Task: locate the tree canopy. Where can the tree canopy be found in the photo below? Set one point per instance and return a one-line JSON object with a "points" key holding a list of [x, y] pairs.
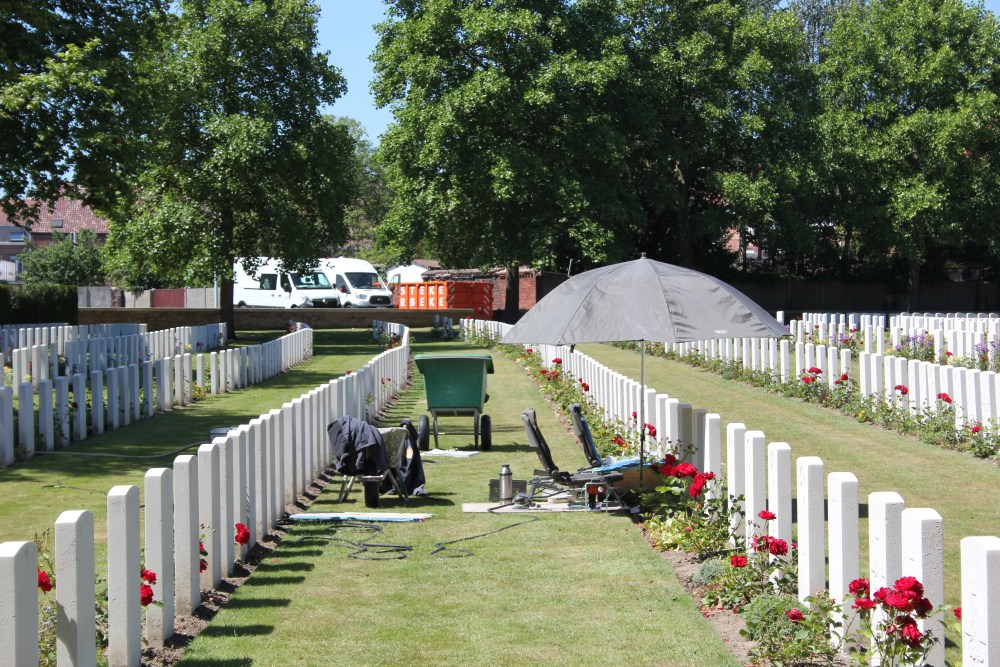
{"points": [[65, 261], [240, 162], [67, 95]]}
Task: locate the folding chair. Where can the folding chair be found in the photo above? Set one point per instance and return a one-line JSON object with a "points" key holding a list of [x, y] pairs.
{"points": [[582, 430], [554, 480]]}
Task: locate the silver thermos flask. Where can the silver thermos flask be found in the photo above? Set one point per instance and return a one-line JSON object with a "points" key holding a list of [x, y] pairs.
{"points": [[506, 484]]}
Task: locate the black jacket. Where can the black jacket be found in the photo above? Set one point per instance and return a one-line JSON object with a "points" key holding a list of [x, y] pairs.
{"points": [[357, 447]]}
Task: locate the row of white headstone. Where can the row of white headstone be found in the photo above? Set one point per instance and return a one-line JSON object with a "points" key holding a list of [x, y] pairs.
{"points": [[902, 541], [249, 476], [123, 395], [74, 350]]}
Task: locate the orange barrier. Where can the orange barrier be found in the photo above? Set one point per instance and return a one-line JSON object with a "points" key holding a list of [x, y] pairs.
{"points": [[440, 295]]}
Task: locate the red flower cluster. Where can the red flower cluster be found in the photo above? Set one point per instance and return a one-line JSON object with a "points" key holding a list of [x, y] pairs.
{"points": [[843, 378], [815, 371], [902, 389], [975, 428], [738, 561], [808, 378], [651, 430], [583, 385], [906, 597], [242, 534], [620, 441], [773, 545], [944, 397], [794, 615], [670, 468], [44, 582], [148, 576], [557, 360], [145, 595]]}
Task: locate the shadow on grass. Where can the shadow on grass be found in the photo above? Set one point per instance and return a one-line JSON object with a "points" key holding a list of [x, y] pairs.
{"points": [[252, 630], [262, 603], [292, 567], [215, 662], [260, 579]]}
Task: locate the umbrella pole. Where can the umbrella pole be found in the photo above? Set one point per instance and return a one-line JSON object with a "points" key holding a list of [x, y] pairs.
{"points": [[642, 410]]}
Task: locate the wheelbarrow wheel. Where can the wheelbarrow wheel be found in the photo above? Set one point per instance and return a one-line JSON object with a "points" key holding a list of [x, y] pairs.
{"points": [[485, 433], [371, 494], [424, 433]]}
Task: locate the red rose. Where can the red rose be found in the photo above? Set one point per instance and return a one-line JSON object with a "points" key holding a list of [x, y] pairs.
{"points": [[948, 354], [911, 635], [529, 351], [148, 576], [696, 486], [958, 613], [767, 515], [202, 565], [975, 428], [557, 360], [898, 600], [863, 604], [859, 587], [881, 594], [910, 584], [902, 389], [685, 470], [652, 430], [201, 549], [145, 595], [778, 547], [807, 379], [843, 378], [944, 397], [242, 534], [922, 607], [44, 582], [738, 561], [669, 460], [794, 615], [586, 387], [815, 371]]}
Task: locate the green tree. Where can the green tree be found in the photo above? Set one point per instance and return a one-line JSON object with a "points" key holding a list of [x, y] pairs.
{"points": [[543, 131], [715, 112], [65, 261], [909, 89], [67, 95], [240, 162], [480, 158]]}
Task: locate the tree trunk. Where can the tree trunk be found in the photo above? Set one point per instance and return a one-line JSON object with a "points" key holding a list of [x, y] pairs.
{"points": [[912, 285], [512, 297], [226, 312], [684, 252]]}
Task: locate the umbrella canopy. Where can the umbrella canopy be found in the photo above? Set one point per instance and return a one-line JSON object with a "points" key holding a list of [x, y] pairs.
{"points": [[643, 300]]}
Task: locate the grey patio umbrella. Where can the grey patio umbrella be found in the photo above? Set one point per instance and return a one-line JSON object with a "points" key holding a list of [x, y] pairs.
{"points": [[642, 300]]}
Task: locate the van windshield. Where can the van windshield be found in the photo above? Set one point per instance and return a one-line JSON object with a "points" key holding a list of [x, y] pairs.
{"points": [[310, 281], [364, 280]]}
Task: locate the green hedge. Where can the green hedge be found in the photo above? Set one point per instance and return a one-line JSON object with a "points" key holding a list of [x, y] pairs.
{"points": [[38, 304]]}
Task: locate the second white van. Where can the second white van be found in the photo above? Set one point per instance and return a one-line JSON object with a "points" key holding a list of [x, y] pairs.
{"points": [[358, 282]]}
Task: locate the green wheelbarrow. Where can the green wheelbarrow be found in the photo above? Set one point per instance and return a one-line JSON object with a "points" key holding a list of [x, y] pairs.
{"points": [[456, 386]]}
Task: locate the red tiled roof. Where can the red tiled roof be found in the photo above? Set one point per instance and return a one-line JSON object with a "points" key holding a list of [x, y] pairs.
{"points": [[74, 214]]}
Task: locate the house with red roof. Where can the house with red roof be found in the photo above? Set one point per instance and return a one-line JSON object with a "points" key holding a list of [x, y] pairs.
{"points": [[68, 217]]}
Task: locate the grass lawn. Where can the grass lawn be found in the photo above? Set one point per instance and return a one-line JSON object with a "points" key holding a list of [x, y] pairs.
{"points": [[580, 589]]}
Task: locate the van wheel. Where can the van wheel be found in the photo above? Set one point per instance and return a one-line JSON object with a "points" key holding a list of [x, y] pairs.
{"points": [[241, 304], [347, 305], [294, 306]]}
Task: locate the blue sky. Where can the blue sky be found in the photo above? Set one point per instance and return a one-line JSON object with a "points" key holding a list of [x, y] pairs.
{"points": [[346, 31]]}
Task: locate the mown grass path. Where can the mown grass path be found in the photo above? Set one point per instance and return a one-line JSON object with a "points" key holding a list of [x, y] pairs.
{"points": [[582, 589]]}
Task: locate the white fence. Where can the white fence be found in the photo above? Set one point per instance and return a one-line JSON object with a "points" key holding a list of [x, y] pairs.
{"points": [[903, 541], [247, 476]]}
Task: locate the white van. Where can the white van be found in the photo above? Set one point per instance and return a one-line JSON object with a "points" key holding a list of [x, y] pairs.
{"points": [[358, 282], [274, 288]]}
